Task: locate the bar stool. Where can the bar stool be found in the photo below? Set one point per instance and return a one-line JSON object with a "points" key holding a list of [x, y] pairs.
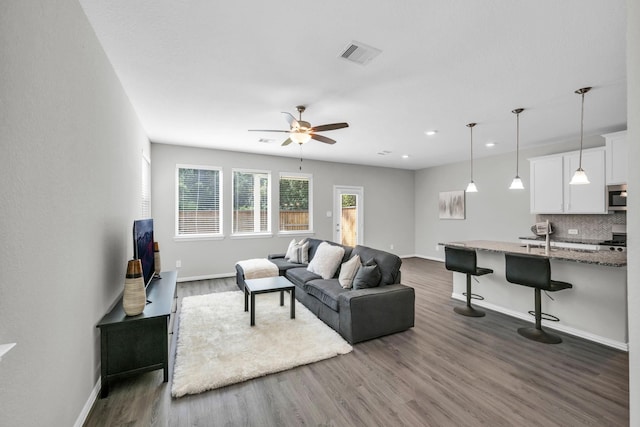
{"points": [[463, 260], [535, 272]]}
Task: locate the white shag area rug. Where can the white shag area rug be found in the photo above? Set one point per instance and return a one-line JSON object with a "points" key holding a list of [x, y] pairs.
{"points": [[217, 347]]}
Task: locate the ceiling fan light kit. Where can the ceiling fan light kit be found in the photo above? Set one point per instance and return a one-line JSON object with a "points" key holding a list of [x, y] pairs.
{"points": [[302, 132]]}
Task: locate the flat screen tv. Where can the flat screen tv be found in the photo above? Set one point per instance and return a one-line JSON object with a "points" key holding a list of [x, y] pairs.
{"points": [[143, 247]]}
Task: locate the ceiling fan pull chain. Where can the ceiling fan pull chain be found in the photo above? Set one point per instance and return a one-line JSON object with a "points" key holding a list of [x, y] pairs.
{"points": [[300, 157]]}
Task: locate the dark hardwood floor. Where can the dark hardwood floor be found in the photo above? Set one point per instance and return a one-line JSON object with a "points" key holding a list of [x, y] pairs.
{"points": [[448, 370]]}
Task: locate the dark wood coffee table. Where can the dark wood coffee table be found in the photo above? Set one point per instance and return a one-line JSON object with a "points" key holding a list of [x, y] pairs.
{"points": [[265, 285]]}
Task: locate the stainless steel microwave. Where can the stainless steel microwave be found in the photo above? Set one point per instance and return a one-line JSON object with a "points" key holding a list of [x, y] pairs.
{"points": [[617, 197]]}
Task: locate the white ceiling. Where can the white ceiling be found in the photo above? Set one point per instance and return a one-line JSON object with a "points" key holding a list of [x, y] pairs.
{"points": [[203, 72]]}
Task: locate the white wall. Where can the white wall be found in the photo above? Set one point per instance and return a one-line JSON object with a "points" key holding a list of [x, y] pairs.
{"points": [[494, 212], [388, 207], [633, 221], [71, 176]]}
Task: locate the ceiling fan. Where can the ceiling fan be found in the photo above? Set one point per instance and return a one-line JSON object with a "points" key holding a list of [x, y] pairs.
{"points": [[302, 131]]}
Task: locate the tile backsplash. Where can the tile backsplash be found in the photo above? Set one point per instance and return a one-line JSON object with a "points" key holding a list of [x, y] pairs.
{"points": [[590, 227]]}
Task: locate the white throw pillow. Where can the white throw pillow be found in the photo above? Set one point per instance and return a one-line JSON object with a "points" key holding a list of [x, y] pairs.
{"points": [[287, 255], [348, 272], [326, 260], [300, 253]]}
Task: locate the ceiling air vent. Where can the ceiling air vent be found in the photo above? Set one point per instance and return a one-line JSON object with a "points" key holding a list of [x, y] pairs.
{"points": [[359, 53]]}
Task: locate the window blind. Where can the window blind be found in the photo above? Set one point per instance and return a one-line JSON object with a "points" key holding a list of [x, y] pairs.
{"points": [[251, 202], [145, 197], [199, 203]]}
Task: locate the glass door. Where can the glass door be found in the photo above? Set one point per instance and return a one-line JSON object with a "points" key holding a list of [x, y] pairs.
{"points": [[347, 213]]}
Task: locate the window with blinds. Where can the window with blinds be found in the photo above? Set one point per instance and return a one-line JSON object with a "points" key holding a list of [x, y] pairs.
{"points": [[251, 202], [145, 207], [295, 203], [199, 205]]}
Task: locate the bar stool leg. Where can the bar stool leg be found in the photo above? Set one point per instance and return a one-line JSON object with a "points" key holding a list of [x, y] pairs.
{"points": [[468, 310], [537, 334]]}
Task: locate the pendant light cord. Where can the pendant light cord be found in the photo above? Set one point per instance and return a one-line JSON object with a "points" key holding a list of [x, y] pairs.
{"points": [[517, 143], [581, 130], [471, 145], [471, 125]]}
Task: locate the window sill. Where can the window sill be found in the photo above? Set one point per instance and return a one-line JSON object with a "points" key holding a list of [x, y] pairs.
{"points": [[252, 236], [195, 237], [296, 233]]}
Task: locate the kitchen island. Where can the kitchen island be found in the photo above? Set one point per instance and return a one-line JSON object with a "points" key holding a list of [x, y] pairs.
{"points": [[595, 309]]}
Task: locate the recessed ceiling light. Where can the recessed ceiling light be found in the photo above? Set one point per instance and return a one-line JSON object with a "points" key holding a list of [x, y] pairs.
{"points": [[430, 132], [405, 156], [490, 144]]}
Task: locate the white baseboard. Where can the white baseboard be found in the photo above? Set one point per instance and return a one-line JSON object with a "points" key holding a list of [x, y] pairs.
{"points": [[206, 277], [428, 257], [89, 404], [551, 325]]}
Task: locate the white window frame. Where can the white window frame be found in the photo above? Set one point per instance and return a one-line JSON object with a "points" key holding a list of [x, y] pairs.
{"points": [[309, 177], [245, 234], [201, 236]]}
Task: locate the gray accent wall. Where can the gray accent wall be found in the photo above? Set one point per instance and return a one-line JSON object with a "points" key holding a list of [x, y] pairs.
{"points": [[70, 167], [388, 207], [494, 212]]}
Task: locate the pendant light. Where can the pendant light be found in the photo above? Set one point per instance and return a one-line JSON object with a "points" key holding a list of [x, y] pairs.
{"points": [[516, 184], [471, 188], [580, 177]]}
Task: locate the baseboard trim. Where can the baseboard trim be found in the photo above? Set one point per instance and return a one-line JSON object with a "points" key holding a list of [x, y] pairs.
{"points": [[86, 409], [619, 345], [429, 258], [205, 277]]}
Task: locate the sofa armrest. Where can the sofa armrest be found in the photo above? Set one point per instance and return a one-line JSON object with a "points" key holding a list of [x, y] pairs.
{"points": [[374, 312], [275, 256]]}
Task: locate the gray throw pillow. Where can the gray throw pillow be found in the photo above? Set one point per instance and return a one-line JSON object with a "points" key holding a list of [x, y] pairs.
{"points": [[368, 276]]}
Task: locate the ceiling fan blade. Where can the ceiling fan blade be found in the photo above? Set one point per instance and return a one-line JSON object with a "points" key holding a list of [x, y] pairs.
{"points": [[290, 119], [331, 126], [287, 142], [322, 138], [268, 130]]}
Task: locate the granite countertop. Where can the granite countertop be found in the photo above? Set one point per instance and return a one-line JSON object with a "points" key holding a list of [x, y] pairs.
{"points": [[611, 259], [564, 239]]}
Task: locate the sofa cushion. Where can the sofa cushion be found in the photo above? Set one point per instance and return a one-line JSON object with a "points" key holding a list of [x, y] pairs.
{"points": [[388, 263], [300, 275], [326, 291], [326, 260], [348, 271], [284, 265], [368, 276]]}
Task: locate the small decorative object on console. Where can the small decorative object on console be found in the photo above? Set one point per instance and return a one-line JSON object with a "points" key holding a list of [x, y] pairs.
{"points": [[135, 296]]}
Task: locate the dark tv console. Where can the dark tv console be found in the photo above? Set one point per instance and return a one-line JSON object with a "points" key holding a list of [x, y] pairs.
{"points": [[134, 344]]}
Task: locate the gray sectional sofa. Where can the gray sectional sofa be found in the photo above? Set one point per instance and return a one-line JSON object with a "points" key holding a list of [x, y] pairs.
{"points": [[356, 314]]}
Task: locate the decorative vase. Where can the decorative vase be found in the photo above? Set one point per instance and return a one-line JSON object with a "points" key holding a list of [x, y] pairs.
{"points": [[135, 296], [156, 258]]}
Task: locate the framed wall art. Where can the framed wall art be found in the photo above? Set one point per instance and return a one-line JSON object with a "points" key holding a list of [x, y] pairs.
{"points": [[451, 204]]}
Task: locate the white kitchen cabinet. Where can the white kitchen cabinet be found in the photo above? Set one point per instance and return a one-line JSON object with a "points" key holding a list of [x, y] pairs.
{"points": [[547, 191], [616, 157], [589, 198], [550, 190]]}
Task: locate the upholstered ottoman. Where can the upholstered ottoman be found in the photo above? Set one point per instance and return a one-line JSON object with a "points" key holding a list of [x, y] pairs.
{"points": [[256, 268]]}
